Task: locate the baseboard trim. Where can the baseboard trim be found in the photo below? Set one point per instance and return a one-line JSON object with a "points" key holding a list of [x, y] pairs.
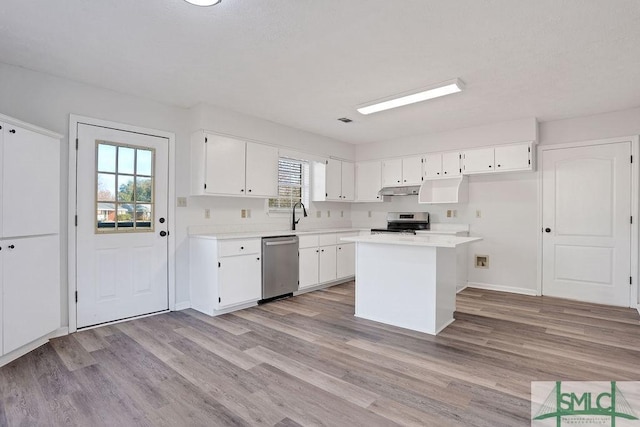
{"points": [[182, 305], [501, 288], [19, 352], [462, 288]]}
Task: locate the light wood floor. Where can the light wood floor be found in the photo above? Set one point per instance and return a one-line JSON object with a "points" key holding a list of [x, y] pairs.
{"points": [[308, 361]]}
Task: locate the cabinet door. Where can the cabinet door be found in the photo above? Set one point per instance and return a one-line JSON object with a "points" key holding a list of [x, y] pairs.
{"points": [[224, 165], [31, 280], [261, 170], [479, 160], [308, 267], [348, 181], [239, 280], [368, 181], [451, 164], [392, 173], [327, 269], [30, 183], [412, 170], [513, 157], [433, 165], [346, 260], [334, 180]]}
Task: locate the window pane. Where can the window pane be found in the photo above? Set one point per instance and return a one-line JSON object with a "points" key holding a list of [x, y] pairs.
{"points": [[106, 188], [125, 215], [125, 188], [144, 159], [106, 158], [106, 215], [143, 189], [126, 158], [144, 216]]}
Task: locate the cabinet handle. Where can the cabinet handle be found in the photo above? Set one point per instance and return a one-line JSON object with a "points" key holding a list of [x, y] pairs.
{"points": [[242, 191], [437, 173], [445, 173], [398, 180], [249, 190], [163, 233], [11, 247], [258, 258], [321, 250], [12, 131], [317, 251], [498, 165], [242, 248], [339, 248]]}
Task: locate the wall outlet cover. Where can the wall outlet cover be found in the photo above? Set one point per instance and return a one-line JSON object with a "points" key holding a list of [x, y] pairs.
{"points": [[328, 214], [207, 213], [182, 202], [243, 213], [318, 214]]}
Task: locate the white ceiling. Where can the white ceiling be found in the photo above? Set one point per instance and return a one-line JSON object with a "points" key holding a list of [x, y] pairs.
{"points": [[305, 63]]}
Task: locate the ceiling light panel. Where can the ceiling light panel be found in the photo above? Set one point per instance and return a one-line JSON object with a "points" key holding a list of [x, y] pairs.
{"points": [[203, 2], [435, 91]]}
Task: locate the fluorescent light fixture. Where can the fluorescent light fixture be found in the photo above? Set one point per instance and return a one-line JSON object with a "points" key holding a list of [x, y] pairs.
{"points": [[203, 2], [435, 91]]}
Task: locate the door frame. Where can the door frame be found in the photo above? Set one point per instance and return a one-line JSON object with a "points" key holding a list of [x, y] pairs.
{"points": [[74, 121], [635, 187]]}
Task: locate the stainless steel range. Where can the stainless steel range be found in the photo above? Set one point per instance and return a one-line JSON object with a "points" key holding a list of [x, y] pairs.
{"points": [[404, 223]]}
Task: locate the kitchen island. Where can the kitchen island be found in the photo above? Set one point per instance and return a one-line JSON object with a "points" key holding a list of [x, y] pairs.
{"points": [[407, 281]]}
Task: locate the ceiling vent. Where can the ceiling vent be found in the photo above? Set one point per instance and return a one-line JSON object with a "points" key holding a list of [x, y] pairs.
{"points": [[345, 120]]}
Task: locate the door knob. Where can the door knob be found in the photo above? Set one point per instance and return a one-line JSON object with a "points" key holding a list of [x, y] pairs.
{"points": [[163, 233], [547, 230]]}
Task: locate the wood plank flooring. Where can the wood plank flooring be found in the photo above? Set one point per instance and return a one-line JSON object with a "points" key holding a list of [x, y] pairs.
{"points": [[308, 361]]}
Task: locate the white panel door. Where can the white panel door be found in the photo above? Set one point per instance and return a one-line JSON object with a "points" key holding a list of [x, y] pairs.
{"points": [[31, 279], [122, 243], [239, 280], [308, 267], [451, 164], [433, 165], [586, 196], [261, 170], [368, 181], [333, 181], [225, 165], [348, 181], [346, 260], [513, 157], [478, 160], [327, 264], [30, 183], [391, 173], [412, 170]]}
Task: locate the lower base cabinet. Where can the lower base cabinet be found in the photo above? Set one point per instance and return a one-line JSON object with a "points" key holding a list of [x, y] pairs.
{"points": [[239, 280], [346, 260], [324, 259], [30, 289], [327, 267]]}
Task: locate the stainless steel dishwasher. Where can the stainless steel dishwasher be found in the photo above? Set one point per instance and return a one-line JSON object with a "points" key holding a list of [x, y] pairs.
{"points": [[279, 267]]}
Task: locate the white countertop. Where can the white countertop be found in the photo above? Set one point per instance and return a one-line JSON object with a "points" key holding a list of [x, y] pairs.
{"points": [[260, 234], [431, 240]]}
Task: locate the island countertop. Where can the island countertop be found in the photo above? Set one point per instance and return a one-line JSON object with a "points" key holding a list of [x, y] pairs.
{"points": [[438, 241]]}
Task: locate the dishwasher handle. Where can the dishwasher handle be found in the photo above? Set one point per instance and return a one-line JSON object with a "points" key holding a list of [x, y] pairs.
{"points": [[281, 242]]}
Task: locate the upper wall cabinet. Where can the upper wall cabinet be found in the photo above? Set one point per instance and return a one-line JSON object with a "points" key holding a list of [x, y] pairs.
{"points": [[333, 180], [368, 181], [227, 166], [439, 165], [401, 172], [501, 158]]}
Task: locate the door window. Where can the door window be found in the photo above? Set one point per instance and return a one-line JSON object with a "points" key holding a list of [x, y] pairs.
{"points": [[124, 188]]}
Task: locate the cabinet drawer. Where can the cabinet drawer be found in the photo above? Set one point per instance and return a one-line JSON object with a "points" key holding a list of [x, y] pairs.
{"points": [[308, 241], [238, 247], [327, 239]]}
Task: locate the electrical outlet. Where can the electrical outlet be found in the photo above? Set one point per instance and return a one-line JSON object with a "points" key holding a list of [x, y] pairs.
{"points": [[328, 214], [341, 214], [318, 214], [243, 213], [369, 214], [448, 213], [182, 202], [478, 214], [455, 213], [207, 213]]}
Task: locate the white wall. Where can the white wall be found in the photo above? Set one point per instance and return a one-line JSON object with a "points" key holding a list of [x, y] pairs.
{"points": [[47, 101]]}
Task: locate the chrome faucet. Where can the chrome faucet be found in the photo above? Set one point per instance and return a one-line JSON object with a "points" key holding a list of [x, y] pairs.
{"points": [[293, 215]]}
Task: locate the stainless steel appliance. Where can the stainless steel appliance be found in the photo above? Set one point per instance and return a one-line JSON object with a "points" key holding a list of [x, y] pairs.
{"points": [[279, 267], [404, 223]]}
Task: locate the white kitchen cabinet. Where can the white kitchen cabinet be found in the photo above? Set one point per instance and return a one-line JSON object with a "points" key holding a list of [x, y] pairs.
{"points": [[345, 260], [368, 181], [309, 263], [227, 166], [500, 158], [333, 180], [442, 165], [29, 233], [224, 273], [401, 172], [327, 264], [31, 295], [513, 157], [451, 164]]}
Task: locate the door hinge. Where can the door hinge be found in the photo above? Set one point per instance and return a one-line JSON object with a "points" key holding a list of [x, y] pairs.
{"points": [[76, 296], [219, 265], [631, 158], [421, 160], [422, 178], [631, 220], [460, 156], [76, 144], [205, 139], [460, 170], [630, 280], [76, 220], [326, 162], [205, 185], [529, 161], [529, 149], [219, 300]]}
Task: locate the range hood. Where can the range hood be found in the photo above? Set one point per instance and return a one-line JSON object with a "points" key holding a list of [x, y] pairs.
{"points": [[412, 190]]}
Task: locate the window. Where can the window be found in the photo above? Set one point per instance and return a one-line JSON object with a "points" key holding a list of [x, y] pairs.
{"points": [[124, 188], [293, 184]]}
